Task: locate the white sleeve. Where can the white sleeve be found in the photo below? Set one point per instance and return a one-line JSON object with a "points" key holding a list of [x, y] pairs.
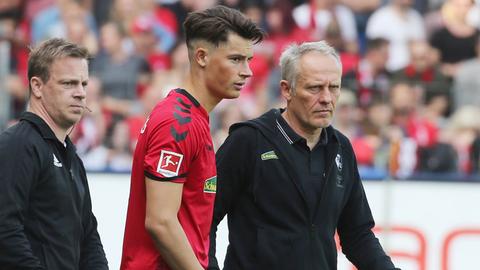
{"points": [[346, 19]]}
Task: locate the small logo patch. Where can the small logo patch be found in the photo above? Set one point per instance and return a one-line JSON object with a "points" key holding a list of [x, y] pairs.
{"points": [[56, 162], [269, 155], [210, 185], [169, 163], [338, 160]]}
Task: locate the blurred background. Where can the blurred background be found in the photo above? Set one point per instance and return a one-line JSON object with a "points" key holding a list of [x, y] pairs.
{"points": [[410, 99]]}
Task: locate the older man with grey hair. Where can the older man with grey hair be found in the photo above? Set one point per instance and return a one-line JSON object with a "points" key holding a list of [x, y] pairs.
{"points": [[288, 180]]}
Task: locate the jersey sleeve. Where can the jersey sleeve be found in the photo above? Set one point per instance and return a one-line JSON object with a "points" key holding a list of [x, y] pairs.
{"points": [[169, 151]]}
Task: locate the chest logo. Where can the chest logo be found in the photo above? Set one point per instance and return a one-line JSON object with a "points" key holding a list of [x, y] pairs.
{"points": [[338, 161], [56, 162], [210, 185], [169, 163], [269, 155]]}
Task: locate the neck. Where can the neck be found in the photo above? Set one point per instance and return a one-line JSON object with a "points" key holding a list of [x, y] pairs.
{"points": [[60, 133], [196, 87], [312, 135]]}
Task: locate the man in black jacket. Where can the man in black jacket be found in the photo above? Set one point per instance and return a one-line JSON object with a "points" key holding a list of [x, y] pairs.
{"points": [[46, 219], [288, 180]]}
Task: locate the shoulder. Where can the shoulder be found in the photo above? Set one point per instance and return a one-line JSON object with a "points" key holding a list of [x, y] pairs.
{"points": [[241, 138], [21, 133], [243, 131], [23, 141], [174, 119]]}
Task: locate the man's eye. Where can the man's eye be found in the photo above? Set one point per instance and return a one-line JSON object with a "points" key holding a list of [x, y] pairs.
{"points": [[334, 87]]}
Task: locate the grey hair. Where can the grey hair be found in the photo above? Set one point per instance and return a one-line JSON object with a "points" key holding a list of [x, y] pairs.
{"points": [[290, 57]]}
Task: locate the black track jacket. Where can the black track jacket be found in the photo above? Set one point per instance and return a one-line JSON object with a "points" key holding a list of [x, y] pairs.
{"points": [[46, 219], [270, 225]]}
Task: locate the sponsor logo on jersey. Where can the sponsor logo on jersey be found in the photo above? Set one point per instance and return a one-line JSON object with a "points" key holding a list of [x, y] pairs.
{"points": [[169, 163], [269, 155], [210, 185]]}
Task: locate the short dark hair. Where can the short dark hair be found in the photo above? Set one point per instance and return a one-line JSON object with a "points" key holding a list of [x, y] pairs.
{"points": [[214, 24], [41, 57]]}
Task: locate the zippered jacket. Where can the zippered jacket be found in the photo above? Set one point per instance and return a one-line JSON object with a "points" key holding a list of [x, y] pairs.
{"points": [[46, 219], [269, 220]]}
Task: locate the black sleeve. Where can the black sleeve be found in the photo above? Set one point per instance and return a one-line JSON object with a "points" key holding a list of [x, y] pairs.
{"points": [[20, 169], [235, 166], [359, 244], [92, 255]]}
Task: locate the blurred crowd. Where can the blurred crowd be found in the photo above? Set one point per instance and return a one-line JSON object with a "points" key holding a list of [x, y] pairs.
{"points": [[410, 99]]}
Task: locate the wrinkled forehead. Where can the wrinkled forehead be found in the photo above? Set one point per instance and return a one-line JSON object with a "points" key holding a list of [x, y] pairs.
{"points": [[320, 67]]}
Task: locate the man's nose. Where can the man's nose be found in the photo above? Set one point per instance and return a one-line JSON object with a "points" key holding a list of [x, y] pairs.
{"points": [[81, 91], [325, 96], [246, 72]]}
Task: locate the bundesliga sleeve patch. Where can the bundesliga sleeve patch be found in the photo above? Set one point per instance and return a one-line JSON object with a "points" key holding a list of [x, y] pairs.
{"points": [[169, 163]]}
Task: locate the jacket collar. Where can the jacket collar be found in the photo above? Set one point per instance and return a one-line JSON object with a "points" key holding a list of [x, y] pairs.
{"points": [[292, 137], [45, 131]]}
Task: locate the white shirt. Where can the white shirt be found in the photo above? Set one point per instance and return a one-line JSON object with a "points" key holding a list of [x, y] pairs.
{"points": [[387, 23], [344, 15]]}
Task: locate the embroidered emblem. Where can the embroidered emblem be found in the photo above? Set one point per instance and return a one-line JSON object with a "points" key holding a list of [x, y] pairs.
{"points": [[269, 155], [56, 162], [338, 161], [169, 163]]}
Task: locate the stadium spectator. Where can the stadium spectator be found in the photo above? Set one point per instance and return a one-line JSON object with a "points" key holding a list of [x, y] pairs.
{"points": [[371, 80], [463, 133], [424, 73], [457, 39], [120, 73], [347, 116], [14, 40], [175, 76], [324, 16], [466, 82], [52, 21], [90, 131], [113, 156], [399, 23], [362, 11]]}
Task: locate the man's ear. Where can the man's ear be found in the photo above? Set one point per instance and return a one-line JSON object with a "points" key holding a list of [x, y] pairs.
{"points": [[201, 56], [286, 90], [36, 84]]}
